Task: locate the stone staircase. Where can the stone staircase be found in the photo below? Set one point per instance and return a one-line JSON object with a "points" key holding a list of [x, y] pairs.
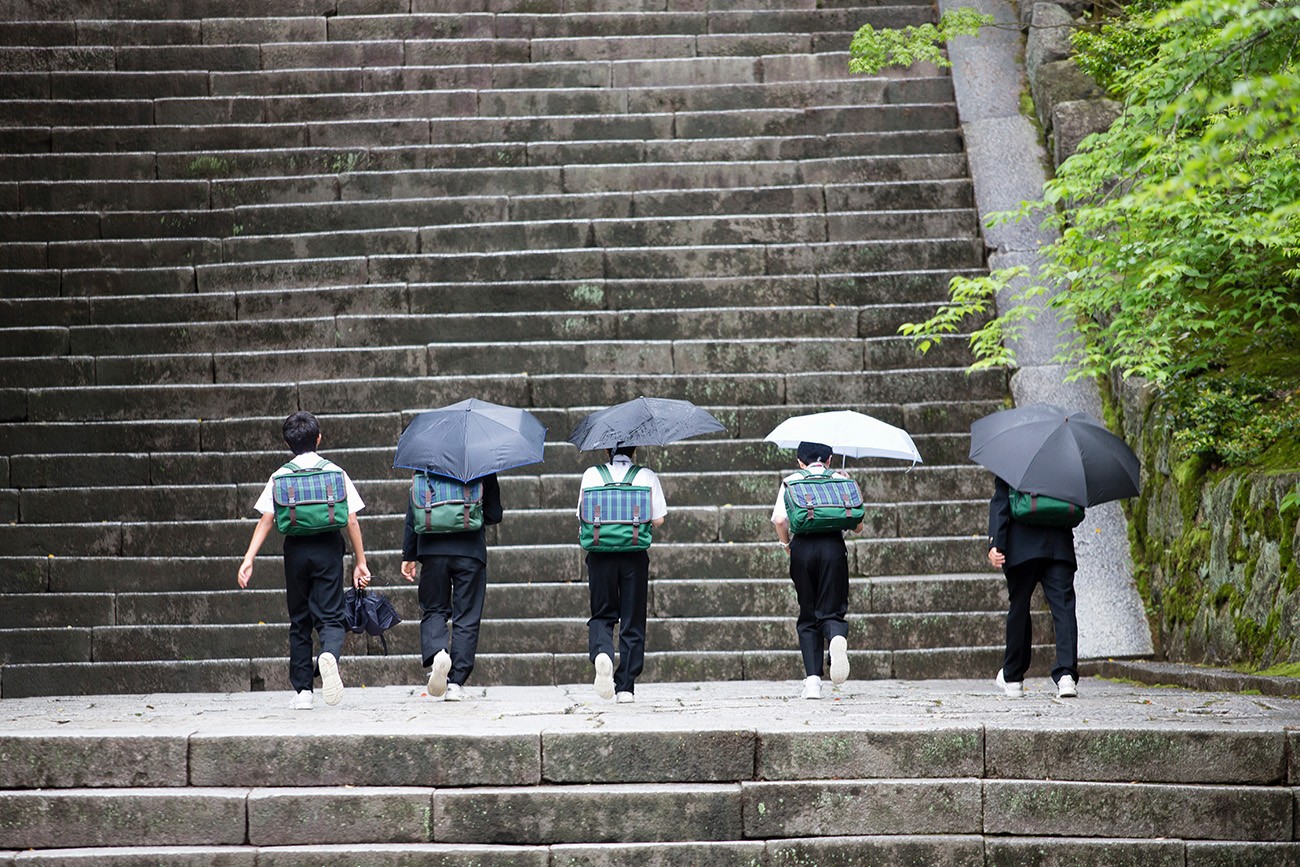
{"points": [[211, 218]]}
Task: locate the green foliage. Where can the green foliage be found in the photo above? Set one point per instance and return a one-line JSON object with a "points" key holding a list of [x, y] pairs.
{"points": [[1231, 421], [1113, 50], [872, 49], [1179, 248]]}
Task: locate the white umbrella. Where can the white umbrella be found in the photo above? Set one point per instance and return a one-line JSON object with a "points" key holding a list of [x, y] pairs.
{"points": [[848, 433]]}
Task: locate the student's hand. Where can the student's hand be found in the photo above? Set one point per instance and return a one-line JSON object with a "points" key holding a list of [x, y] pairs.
{"points": [[245, 573], [408, 570], [361, 576], [997, 558]]}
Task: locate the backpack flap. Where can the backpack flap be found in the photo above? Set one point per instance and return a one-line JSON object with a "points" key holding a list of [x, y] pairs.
{"points": [[823, 503], [445, 505], [615, 517], [309, 500]]}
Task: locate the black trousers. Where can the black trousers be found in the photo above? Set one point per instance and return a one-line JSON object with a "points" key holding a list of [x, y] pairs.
{"points": [[1057, 578], [819, 568], [619, 586], [313, 593], [451, 587]]}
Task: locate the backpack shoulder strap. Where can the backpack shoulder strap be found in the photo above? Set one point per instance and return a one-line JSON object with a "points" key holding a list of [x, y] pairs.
{"points": [[631, 474], [291, 467], [604, 474]]}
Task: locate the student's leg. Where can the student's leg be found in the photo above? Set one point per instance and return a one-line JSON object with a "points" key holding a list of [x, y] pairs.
{"points": [[1021, 579], [1058, 587], [802, 563], [469, 585], [435, 606], [297, 583], [325, 597], [831, 572], [633, 588], [602, 581]]}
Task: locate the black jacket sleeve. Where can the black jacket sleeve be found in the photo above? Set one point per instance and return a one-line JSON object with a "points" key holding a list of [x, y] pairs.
{"points": [[409, 539], [491, 500], [999, 515]]}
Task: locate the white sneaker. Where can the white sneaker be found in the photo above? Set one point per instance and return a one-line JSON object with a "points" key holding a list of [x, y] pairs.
{"points": [[839, 660], [455, 692], [812, 686], [1013, 690], [438, 676], [604, 681], [1066, 688], [301, 701], [625, 698], [331, 683]]}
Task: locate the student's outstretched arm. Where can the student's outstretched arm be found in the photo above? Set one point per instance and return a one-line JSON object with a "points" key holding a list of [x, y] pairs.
{"points": [[360, 572], [260, 532]]}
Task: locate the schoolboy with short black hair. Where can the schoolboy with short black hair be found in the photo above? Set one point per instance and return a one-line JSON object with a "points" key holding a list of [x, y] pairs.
{"points": [[313, 569]]}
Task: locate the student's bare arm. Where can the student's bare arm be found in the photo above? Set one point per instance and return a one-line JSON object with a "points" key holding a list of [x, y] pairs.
{"points": [[782, 526], [360, 572], [260, 532]]}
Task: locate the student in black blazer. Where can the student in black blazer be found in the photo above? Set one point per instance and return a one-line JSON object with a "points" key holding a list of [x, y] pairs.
{"points": [[453, 583], [1031, 555]]}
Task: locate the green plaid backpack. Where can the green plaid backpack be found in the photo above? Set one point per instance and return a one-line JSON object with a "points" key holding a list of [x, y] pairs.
{"points": [[1040, 510], [445, 505], [822, 503], [309, 500], [615, 517]]}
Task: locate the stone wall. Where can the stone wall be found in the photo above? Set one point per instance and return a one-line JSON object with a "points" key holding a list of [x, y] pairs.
{"points": [[1213, 550]]}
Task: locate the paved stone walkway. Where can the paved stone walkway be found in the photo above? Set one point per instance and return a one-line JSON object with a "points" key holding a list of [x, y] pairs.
{"points": [[867, 705]]}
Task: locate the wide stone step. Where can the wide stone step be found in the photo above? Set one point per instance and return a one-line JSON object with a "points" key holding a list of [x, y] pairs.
{"points": [[667, 598], [419, 329], [293, 161], [649, 812], [373, 430], [842, 290]]}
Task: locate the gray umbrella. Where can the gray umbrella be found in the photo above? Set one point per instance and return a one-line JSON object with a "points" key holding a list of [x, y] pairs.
{"points": [[644, 421], [1043, 449], [471, 439]]}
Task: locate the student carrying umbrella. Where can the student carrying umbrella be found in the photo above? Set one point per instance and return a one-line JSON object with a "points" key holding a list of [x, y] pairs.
{"points": [[814, 507], [619, 505], [1048, 464], [456, 452]]}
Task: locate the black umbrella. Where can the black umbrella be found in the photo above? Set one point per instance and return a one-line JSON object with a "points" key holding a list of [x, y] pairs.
{"points": [[471, 439], [1042, 449], [644, 421]]}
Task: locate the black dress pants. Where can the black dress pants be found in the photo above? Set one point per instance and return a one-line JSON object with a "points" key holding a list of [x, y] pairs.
{"points": [[1057, 578], [451, 587], [819, 568], [619, 585], [313, 593]]}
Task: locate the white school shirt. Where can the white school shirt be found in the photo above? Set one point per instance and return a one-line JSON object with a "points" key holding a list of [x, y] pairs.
{"points": [[617, 469], [266, 503], [778, 511]]}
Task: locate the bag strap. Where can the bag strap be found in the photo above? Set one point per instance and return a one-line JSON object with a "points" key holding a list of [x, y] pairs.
{"points": [[604, 474], [630, 474]]}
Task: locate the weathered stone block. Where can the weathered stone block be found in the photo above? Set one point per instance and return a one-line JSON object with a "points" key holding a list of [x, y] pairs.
{"points": [[835, 808], [1061, 81], [560, 814], [77, 760], [1052, 852], [729, 854], [1072, 122], [1137, 810], [1049, 38], [641, 756], [369, 760], [121, 817], [336, 815], [955, 751], [914, 851], [1151, 755], [1235, 854]]}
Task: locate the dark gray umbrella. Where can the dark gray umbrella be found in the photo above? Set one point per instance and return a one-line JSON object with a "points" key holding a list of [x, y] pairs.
{"points": [[644, 421], [1043, 449], [471, 439]]}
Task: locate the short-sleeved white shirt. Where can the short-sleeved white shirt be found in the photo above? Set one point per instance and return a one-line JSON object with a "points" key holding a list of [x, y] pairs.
{"points": [[617, 469], [266, 503], [778, 511]]}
